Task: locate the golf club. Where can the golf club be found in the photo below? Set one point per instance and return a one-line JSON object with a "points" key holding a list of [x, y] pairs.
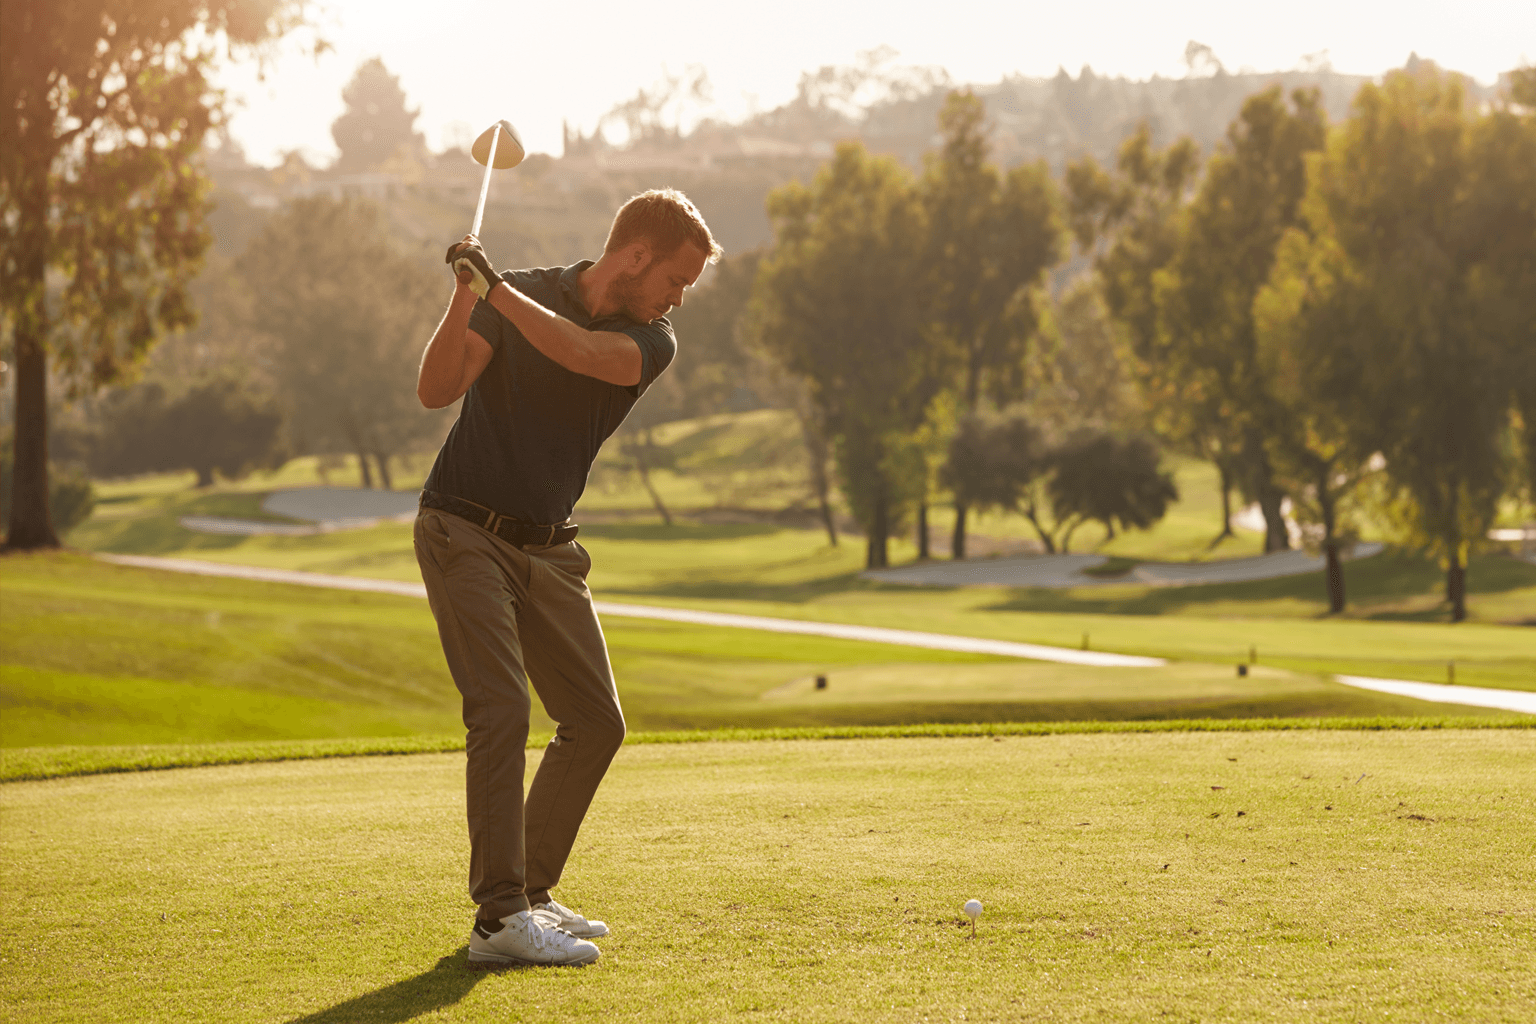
{"points": [[498, 148]]}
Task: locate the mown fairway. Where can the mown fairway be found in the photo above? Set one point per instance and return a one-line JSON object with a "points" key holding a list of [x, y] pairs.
{"points": [[92, 653], [1234, 876]]}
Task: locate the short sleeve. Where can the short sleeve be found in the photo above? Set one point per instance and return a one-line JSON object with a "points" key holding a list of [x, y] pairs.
{"points": [[658, 346], [485, 321]]}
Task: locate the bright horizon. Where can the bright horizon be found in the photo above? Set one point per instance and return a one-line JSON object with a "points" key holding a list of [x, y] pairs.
{"points": [[529, 64]]}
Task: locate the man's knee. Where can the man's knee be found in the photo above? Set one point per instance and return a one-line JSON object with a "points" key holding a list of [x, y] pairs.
{"points": [[606, 732]]}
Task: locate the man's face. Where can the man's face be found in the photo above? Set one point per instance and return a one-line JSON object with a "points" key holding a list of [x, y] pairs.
{"points": [[656, 288]]}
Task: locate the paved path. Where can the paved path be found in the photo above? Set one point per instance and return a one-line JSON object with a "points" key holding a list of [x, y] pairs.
{"points": [[319, 509], [881, 635], [328, 504], [1068, 570], [872, 634], [1509, 700], [329, 509], [1477, 696]]}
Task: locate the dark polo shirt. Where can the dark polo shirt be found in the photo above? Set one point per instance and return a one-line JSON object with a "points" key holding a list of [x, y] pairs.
{"points": [[529, 429]]}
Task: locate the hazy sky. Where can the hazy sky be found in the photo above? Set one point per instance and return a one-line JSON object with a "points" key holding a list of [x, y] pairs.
{"points": [[466, 65]]}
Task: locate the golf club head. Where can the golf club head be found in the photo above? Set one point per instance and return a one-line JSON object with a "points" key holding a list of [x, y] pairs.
{"points": [[509, 148]]}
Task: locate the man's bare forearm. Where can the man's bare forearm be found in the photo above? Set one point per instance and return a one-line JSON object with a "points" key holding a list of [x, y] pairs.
{"points": [[445, 363], [606, 355]]}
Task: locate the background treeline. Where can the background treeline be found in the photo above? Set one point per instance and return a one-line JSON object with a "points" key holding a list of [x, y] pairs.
{"points": [[1338, 315], [252, 404], [1316, 282]]}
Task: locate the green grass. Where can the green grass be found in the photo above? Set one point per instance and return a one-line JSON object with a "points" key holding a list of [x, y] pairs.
{"points": [[99, 654], [1252, 876], [34, 763]]}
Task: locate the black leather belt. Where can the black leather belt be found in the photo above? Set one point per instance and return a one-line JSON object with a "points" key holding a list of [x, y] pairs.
{"points": [[513, 531]]}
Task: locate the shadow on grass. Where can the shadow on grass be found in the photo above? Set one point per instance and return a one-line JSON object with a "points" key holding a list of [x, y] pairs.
{"points": [[691, 532], [707, 587], [1330, 701], [443, 984], [1393, 585]]}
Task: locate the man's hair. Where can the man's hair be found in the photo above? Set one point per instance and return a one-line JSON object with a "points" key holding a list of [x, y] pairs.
{"points": [[665, 219]]}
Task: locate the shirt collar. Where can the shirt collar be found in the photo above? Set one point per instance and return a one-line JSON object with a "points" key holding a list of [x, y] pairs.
{"points": [[568, 282]]}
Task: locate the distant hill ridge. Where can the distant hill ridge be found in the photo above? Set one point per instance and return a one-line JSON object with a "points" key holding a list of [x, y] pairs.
{"points": [[561, 205]]}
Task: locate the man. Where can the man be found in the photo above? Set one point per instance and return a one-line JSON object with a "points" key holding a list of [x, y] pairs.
{"points": [[548, 362]]}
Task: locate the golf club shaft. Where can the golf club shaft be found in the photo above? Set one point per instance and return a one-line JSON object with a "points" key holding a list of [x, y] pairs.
{"points": [[485, 184]]}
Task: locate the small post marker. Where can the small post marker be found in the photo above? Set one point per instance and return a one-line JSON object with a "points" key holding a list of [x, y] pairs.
{"points": [[1085, 641], [1450, 672], [1253, 654], [1242, 670], [821, 682]]}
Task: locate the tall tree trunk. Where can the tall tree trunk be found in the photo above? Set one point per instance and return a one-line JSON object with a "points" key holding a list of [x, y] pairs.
{"points": [[816, 456], [384, 478], [31, 525], [204, 476], [1456, 585], [922, 531], [957, 540], [972, 399], [878, 555], [1330, 543], [827, 521], [1271, 498], [1225, 470], [641, 452], [1276, 536], [362, 462], [1335, 576]]}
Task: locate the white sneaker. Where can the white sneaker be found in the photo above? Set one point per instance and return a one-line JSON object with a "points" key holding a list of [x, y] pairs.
{"points": [[568, 920], [526, 938]]}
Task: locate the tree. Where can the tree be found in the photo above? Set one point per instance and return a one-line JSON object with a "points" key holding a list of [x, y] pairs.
{"points": [[375, 126], [1320, 460], [1518, 117], [70, 494], [216, 424], [1099, 476], [1130, 221], [102, 199], [1206, 349], [1081, 377], [991, 238], [348, 313], [838, 301], [1415, 268], [996, 462]]}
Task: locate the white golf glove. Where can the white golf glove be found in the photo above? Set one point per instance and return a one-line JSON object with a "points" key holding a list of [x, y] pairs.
{"points": [[471, 257]]}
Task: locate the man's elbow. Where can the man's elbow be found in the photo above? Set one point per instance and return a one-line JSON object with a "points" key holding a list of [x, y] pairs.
{"points": [[431, 399]]}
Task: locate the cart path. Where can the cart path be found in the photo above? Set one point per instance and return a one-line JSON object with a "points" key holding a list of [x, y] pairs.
{"points": [[1508, 700], [872, 634]]}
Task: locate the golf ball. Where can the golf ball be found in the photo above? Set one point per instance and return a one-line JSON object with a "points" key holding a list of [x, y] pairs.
{"points": [[972, 909]]}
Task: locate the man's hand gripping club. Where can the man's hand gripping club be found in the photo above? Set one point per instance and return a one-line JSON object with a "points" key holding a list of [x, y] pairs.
{"points": [[468, 257]]}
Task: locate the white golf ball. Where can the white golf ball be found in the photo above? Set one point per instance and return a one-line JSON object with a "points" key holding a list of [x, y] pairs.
{"points": [[972, 909]]}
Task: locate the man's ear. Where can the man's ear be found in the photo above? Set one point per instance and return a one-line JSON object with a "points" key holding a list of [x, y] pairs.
{"points": [[637, 256]]}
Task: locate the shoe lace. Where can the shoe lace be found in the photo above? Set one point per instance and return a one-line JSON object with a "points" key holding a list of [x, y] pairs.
{"points": [[546, 936]]}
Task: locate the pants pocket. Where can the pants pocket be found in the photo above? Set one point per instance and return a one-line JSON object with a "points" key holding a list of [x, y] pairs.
{"points": [[433, 542]]}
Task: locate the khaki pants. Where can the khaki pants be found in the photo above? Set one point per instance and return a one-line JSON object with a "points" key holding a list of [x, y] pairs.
{"points": [[509, 616]]}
